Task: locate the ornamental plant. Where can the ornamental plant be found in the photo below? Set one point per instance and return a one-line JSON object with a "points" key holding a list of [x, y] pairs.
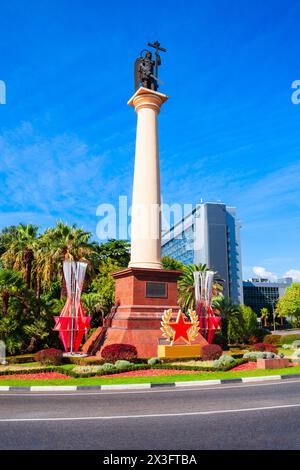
{"points": [[121, 364], [265, 347], [117, 351], [210, 352], [289, 339], [107, 367], [272, 339], [49, 356], [225, 361], [254, 355]]}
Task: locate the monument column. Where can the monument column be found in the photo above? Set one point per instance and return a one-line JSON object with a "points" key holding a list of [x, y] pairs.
{"points": [[146, 202]]}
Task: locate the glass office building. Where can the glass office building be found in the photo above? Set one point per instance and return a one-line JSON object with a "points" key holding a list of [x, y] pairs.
{"points": [[210, 235], [262, 293]]}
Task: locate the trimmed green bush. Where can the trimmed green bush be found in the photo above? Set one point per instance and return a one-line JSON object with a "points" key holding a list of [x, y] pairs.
{"points": [[122, 364], [83, 361], [87, 369], [154, 360], [22, 359], [32, 371], [253, 356], [289, 339], [225, 361], [108, 367]]}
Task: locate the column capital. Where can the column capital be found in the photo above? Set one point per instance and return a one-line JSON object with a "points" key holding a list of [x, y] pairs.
{"points": [[145, 98]]}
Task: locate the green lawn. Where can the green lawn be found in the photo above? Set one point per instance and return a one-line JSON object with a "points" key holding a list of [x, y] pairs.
{"points": [[162, 379]]}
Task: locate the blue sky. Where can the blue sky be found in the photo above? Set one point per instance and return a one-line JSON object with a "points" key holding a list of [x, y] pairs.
{"points": [[229, 131]]}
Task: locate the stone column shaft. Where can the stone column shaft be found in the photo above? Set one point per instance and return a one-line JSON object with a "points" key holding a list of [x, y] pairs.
{"points": [[146, 201]]}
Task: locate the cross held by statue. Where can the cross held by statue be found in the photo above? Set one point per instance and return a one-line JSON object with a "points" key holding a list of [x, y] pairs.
{"points": [[156, 46]]}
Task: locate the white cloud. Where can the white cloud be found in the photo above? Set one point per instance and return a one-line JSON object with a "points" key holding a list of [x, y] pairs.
{"points": [[58, 177], [294, 273], [261, 272]]}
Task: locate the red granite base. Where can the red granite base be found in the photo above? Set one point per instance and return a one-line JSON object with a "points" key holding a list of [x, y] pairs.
{"points": [[137, 317]]}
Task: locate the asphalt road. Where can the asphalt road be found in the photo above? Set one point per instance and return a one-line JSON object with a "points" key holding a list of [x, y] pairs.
{"points": [[236, 416]]}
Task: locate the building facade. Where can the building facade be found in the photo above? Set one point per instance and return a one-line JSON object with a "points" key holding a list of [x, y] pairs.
{"points": [[210, 235], [263, 293]]}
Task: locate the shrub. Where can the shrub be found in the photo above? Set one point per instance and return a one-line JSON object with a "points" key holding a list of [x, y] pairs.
{"points": [[87, 369], [289, 339], [25, 358], [253, 339], [114, 352], [253, 356], [210, 352], [121, 364], [273, 339], [220, 340], [49, 356], [265, 347], [154, 360], [83, 361], [296, 344], [225, 361], [260, 333]]}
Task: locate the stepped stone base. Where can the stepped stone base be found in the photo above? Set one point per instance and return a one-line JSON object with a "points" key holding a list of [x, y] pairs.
{"points": [[141, 297]]}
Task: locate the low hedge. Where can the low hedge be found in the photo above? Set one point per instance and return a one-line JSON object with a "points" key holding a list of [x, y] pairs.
{"points": [[32, 371], [167, 360], [83, 361], [22, 359], [77, 375], [198, 368]]}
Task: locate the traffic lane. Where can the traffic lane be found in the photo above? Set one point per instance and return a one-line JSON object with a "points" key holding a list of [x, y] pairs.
{"points": [[263, 429], [148, 402]]}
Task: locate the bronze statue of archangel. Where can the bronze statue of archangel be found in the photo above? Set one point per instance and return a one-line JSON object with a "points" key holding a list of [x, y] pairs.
{"points": [[146, 69]]}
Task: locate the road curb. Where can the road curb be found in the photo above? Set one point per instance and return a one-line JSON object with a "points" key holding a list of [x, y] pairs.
{"points": [[144, 386]]}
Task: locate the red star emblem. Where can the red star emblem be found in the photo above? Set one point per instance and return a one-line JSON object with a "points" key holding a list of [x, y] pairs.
{"points": [[180, 328]]}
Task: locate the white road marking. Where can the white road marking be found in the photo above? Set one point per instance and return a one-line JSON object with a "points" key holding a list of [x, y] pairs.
{"points": [[152, 390], [155, 415]]}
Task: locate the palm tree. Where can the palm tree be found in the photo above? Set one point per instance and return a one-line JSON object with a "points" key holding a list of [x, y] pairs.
{"points": [[264, 313], [10, 284], [19, 251], [186, 290], [61, 243], [231, 315]]}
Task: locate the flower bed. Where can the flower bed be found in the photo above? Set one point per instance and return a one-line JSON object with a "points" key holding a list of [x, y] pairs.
{"points": [[37, 376], [246, 366], [150, 373]]}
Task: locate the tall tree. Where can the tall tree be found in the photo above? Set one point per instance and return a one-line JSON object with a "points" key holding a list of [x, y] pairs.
{"points": [[10, 285], [115, 250], [61, 243], [19, 252], [171, 263], [264, 314], [231, 318], [289, 304], [250, 323]]}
